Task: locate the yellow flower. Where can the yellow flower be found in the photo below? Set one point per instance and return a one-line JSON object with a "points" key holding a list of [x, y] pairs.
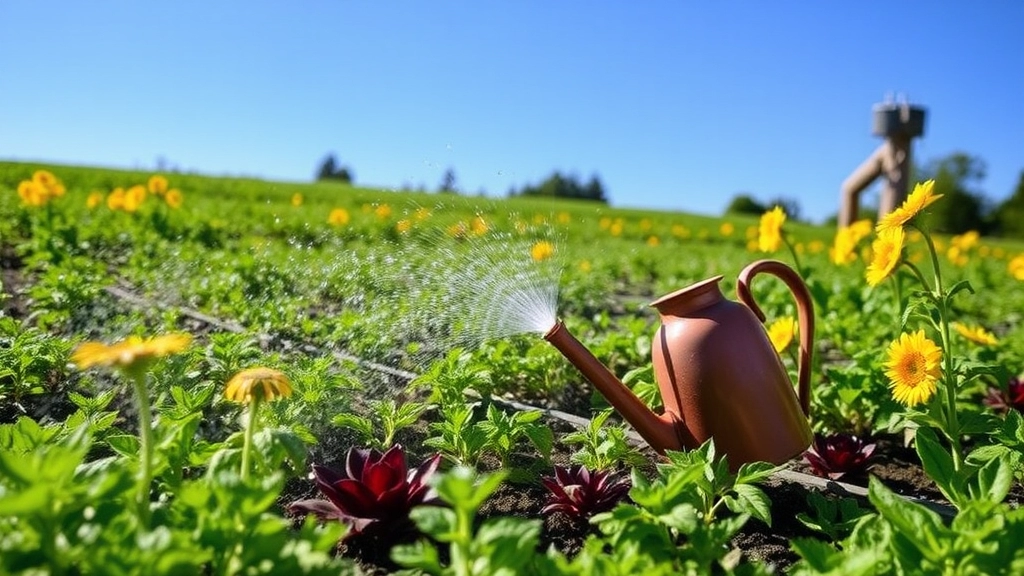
{"points": [[645, 224], [157, 184], [115, 201], [604, 223], [422, 213], [585, 266], [886, 250], [680, 231], [977, 334], [913, 368], [781, 332], [382, 211], [542, 250], [32, 193], [918, 200], [134, 197], [173, 198], [264, 383], [94, 200], [844, 246], [338, 217], [296, 199], [966, 241], [403, 226], [616, 228], [564, 218], [653, 241], [53, 186], [131, 352], [816, 246], [478, 226], [1016, 267], [769, 238], [726, 229]]}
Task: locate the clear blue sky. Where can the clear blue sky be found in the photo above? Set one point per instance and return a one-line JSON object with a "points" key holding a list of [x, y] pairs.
{"points": [[675, 105]]}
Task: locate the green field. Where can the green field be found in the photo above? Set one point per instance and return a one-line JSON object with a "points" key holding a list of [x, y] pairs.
{"points": [[351, 291]]}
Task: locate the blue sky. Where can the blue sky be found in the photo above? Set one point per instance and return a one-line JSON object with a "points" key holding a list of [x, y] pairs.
{"points": [[675, 105]]}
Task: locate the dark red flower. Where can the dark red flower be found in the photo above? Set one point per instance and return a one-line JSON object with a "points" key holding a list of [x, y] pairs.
{"points": [[582, 493], [836, 455], [1002, 400], [374, 489]]}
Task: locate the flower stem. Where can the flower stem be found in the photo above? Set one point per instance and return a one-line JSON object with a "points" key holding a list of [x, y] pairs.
{"points": [[792, 250], [145, 445], [250, 427]]}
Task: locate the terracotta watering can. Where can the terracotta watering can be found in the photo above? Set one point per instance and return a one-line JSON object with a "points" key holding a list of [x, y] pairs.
{"points": [[718, 373]]}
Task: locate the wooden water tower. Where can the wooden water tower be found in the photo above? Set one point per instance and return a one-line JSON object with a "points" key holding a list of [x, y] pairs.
{"points": [[898, 123]]}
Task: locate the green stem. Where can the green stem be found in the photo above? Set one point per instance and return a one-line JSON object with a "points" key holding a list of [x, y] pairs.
{"points": [[948, 378], [250, 427], [145, 445], [792, 250]]}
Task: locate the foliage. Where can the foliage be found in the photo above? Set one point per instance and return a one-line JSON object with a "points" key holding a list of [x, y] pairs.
{"points": [[581, 493], [330, 169], [562, 186]]}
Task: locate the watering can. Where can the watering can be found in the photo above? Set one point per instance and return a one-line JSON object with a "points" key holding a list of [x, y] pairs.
{"points": [[718, 373]]}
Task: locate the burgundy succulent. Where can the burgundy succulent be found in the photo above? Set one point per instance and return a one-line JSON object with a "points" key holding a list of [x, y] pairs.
{"points": [[1002, 400], [835, 455], [581, 493], [374, 490]]}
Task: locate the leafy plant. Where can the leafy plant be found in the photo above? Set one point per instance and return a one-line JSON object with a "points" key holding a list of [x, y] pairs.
{"points": [[375, 492], [499, 546], [456, 435], [385, 419], [31, 361], [581, 493], [503, 431], [833, 517], [603, 447], [836, 455]]}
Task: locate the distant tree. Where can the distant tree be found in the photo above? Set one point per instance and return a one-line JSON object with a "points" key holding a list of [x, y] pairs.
{"points": [[448, 185], [962, 207], [330, 169], [744, 204], [1009, 215], [560, 186], [790, 206]]}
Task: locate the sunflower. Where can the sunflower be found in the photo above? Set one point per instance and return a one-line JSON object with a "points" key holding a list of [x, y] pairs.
{"points": [[918, 200], [266, 383], [913, 368], [781, 332], [157, 184], [769, 237], [173, 198], [887, 251], [129, 353], [975, 334]]}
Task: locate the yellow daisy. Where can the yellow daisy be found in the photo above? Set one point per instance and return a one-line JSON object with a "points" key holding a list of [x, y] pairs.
{"points": [[157, 184], [131, 352], [975, 334], [32, 193], [769, 238], [781, 332], [918, 200], [844, 247], [542, 250], [265, 383], [94, 200], [886, 251], [173, 198], [297, 199], [913, 368], [338, 217]]}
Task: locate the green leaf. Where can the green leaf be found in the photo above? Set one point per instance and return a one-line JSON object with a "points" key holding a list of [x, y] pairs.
{"points": [[957, 288], [752, 500], [817, 554], [995, 479], [124, 444], [754, 472], [420, 555], [937, 462], [922, 528], [35, 499]]}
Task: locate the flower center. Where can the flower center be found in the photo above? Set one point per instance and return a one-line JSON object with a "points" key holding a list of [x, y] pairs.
{"points": [[913, 369]]}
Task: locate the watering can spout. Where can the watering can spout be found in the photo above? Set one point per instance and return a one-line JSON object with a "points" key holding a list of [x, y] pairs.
{"points": [[660, 431]]}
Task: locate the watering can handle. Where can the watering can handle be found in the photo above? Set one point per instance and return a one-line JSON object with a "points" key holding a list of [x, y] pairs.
{"points": [[805, 315]]}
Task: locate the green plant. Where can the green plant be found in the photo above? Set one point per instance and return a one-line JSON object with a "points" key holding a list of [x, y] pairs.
{"points": [[504, 431], [833, 517], [31, 361], [498, 547], [603, 447], [385, 419], [456, 436]]}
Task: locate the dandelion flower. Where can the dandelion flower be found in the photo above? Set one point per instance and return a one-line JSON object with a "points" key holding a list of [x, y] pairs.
{"points": [[296, 199], [769, 238], [50, 183], [338, 217], [726, 229], [919, 199], [975, 334], [115, 201], [403, 226], [653, 242], [265, 383], [32, 193], [887, 250], [542, 250], [383, 211], [94, 200], [128, 353], [478, 226], [157, 184], [134, 197], [781, 332], [913, 368]]}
